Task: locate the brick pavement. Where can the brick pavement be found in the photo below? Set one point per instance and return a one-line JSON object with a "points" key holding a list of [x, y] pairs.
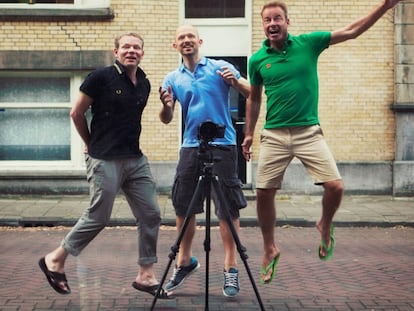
{"points": [[372, 269]]}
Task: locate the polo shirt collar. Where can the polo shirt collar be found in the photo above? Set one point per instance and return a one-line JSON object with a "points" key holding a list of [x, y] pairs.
{"points": [[202, 62], [268, 48], [120, 69]]}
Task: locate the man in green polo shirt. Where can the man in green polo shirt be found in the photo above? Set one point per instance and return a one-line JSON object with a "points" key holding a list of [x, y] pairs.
{"points": [[286, 66]]}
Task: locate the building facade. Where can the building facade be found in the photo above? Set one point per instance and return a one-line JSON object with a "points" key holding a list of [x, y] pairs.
{"points": [[48, 47]]}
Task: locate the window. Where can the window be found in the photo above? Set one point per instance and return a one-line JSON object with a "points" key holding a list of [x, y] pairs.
{"points": [[37, 1], [57, 4], [214, 8], [34, 118]]}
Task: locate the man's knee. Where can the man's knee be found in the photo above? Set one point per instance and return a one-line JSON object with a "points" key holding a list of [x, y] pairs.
{"points": [[265, 196], [335, 186]]}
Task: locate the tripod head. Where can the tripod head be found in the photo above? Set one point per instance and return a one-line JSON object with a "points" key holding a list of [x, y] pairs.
{"points": [[207, 132]]}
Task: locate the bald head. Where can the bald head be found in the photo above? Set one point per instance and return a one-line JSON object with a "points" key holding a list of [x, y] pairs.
{"points": [[186, 28]]}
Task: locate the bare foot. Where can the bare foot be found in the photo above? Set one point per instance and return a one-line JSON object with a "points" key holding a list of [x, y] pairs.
{"points": [[325, 236], [267, 259], [146, 276]]}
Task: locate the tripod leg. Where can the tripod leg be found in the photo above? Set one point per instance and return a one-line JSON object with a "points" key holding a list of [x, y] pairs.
{"points": [[207, 240], [240, 248], [198, 196]]}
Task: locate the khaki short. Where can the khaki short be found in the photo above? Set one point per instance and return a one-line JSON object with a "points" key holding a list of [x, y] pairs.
{"points": [[279, 146]]}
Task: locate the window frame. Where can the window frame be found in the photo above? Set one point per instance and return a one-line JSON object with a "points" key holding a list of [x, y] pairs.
{"points": [[80, 10], [78, 4], [76, 161], [212, 18], [225, 21]]}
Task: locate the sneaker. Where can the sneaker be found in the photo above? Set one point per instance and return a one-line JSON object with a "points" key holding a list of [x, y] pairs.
{"points": [[231, 284], [181, 273]]}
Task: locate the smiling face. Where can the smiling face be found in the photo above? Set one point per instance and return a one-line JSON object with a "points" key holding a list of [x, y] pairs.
{"points": [[187, 41], [275, 24], [129, 51]]}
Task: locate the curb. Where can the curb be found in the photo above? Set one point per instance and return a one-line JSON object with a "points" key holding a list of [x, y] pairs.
{"points": [[244, 222]]}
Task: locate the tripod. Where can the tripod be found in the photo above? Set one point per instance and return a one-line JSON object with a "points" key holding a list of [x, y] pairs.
{"points": [[206, 182]]}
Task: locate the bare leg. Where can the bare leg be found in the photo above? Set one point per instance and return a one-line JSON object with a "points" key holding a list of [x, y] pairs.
{"points": [[266, 213], [333, 191], [185, 251], [229, 243]]}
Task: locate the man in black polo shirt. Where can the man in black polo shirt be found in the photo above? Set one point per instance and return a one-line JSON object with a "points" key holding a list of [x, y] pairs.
{"points": [[117, 95]]}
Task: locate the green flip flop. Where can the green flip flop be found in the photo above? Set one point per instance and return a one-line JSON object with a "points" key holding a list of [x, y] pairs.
{"points": [[272, 265], [328, 250]]}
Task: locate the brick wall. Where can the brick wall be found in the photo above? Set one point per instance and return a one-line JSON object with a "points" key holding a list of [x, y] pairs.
{"points": [[356, 77]]}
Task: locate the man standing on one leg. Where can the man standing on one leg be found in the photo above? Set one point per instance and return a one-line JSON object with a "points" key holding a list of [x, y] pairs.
{"points": [[286, 66]]}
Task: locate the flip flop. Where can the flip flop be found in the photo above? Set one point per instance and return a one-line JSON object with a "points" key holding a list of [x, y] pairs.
{"points": [[272, 265], [55, 279], [328, 250], [151, 289]]}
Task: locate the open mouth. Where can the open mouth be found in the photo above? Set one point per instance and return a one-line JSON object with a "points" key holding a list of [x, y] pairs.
{"points": [[274, 31]]}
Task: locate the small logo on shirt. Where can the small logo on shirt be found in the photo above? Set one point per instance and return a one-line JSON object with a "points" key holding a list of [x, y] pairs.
{"points": [[118, 92], [268, 66]]}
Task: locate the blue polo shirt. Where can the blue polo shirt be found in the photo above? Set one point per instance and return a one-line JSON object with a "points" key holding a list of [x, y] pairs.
{"points": [[203, 96]]}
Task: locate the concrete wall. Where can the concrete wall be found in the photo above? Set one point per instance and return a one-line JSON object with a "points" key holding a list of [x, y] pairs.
{"points": [[359, 178]]}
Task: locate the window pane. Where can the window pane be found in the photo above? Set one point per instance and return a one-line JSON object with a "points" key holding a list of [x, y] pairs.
{"points": [[34, 134], [214, 8], [52, 1], [34, 90], [36, 1]]}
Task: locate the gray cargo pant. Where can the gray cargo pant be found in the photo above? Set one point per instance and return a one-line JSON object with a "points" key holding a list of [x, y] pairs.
{"points": [[105, 179]]}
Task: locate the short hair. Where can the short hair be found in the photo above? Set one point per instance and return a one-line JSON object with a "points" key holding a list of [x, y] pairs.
{"points": [[275, 4], [132, 34]]}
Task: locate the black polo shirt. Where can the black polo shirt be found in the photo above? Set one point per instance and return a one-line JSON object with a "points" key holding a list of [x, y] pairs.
{"points": [[116, 112]]}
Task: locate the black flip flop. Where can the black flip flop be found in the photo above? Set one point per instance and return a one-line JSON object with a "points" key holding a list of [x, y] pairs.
{"points": [[54, 278], [151, 289]]}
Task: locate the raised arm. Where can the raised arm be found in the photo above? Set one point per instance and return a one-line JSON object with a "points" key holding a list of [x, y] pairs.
{"points": [[361, 25], [241, 84], [167, 110]]}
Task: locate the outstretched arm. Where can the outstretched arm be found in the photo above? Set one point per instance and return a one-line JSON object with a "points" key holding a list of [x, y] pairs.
{"points": [[361, 25], [252, 114]]}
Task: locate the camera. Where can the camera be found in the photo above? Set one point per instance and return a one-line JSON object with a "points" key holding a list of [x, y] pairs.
{"points": [[208, 130]]}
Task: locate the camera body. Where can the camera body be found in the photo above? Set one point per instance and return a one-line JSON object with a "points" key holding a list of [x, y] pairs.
{"points": [[208, 131]]}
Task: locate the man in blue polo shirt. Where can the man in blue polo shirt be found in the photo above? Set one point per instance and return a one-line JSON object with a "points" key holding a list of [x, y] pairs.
{"points": [[117, 96], [202, 85], [286, 66]]}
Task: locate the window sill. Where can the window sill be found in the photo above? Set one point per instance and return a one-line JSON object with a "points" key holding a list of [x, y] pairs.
{"points": [[40, 14], [405, 107]]}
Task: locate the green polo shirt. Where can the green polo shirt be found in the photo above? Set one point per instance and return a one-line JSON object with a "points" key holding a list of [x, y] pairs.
{"points": [[290, 79]]}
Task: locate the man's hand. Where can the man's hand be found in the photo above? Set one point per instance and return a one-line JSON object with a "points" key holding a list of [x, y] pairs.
{"points": [[166, 96], [167, 100], [246, 146], [227, 75]]}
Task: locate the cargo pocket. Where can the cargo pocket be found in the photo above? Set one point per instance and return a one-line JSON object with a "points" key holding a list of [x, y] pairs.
{"points": [[182, 193], [232, 190]]}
